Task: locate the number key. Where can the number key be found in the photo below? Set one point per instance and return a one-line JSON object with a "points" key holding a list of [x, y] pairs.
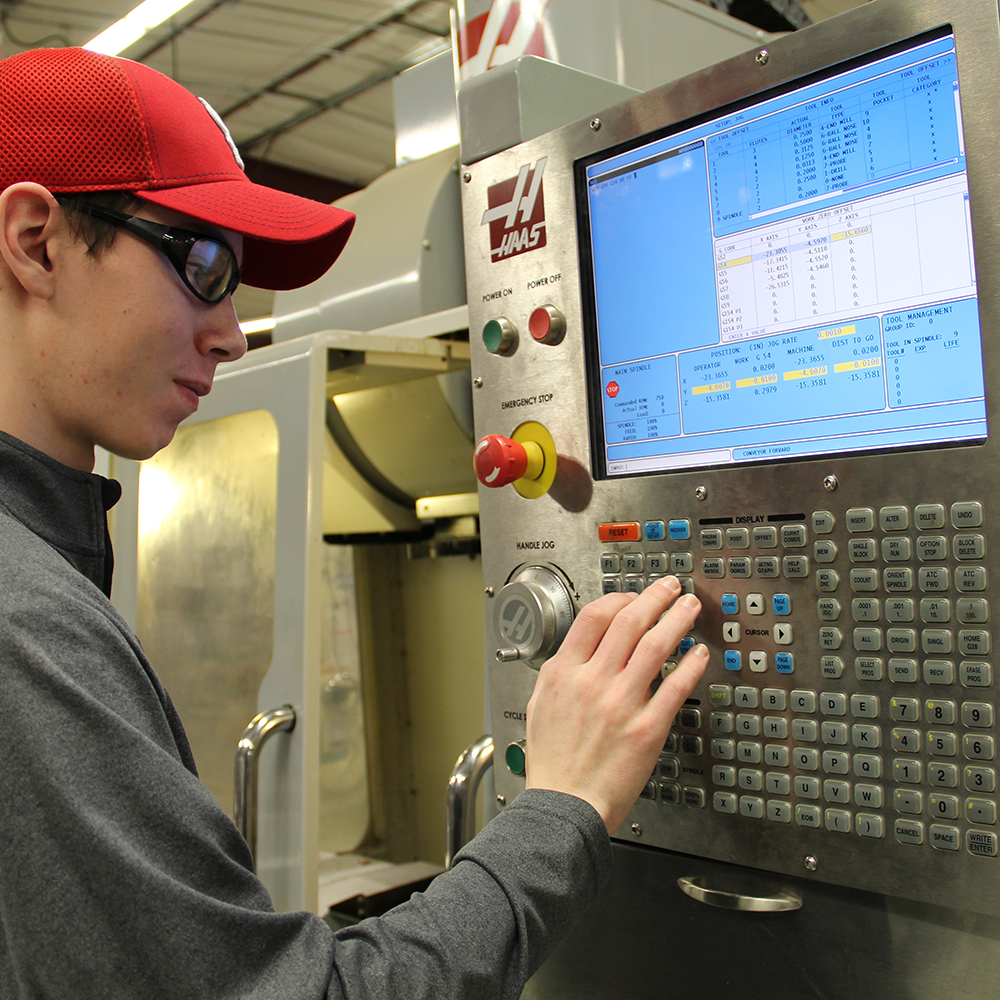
{"points": [[977, 714], [976, 747], [943, 806], [940, 712], [980, 779], [942, 775], [906, 740], [910, 771], [904, 709], [942, 744]]}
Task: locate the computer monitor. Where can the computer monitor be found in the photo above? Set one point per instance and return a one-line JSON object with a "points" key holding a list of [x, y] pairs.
{"points": [[790, 276]]}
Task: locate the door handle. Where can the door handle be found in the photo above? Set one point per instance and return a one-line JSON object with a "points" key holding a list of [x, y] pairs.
{"points": [[462, 787], [246, 768], [697, 888]]}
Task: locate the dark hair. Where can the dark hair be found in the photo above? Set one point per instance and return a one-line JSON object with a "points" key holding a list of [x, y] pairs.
{"points": [[96, 233]]}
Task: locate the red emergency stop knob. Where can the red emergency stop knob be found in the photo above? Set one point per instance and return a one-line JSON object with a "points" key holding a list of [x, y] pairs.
{"points": [[499, 460]]}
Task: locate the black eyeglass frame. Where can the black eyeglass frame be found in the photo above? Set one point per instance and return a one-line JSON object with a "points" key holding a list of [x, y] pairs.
{"points": [[175, 244]]}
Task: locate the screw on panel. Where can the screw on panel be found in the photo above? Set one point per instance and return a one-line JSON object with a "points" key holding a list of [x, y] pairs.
{"points": [[811, 863], [477, 382], [466, 177], [426, 244], [488, 591], [501, 801], [830, 483], [701, 493], [762, 57], [636, 830], [595, 124]]}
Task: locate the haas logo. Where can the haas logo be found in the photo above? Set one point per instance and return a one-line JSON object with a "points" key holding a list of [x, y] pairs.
{"points": [[516, 213]]}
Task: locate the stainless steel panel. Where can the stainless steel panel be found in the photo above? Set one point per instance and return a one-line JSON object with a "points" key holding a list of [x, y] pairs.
{"points": [[207, 508], [644, 940], [546, 383]]}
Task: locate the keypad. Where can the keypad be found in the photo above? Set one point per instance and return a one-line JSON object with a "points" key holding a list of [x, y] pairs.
{"points": [[854, 690]]}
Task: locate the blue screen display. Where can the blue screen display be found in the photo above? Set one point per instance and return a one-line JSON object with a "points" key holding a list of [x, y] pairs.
{"points": [[794, 278]]}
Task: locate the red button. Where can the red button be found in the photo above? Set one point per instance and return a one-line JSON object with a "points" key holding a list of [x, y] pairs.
{"points": [[540, 323], [623, 531], [547, 325], [499, 460]]}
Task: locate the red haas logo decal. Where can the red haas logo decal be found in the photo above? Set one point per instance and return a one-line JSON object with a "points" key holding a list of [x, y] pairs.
{"points": [[516, 213]]}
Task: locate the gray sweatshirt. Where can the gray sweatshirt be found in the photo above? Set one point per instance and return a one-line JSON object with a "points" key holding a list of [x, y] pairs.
{"points": [[121, 877]]}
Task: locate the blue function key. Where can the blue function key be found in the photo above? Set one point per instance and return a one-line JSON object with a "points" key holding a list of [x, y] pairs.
{"points": [[680, 529], [781, 604], [686, 643], [733, 659], [784, 663], [654, 531], [730, 604]]}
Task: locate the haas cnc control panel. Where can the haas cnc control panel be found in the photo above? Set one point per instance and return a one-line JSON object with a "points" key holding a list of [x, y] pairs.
{"points": [[741, 330]]}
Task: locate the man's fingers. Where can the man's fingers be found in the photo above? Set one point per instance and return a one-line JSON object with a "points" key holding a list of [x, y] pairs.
{"points": [[664, 637], [627, 630], [681, 681], [588, 629]]}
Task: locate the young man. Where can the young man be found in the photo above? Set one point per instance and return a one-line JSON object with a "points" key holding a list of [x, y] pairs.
{"points": [[125, 222]]}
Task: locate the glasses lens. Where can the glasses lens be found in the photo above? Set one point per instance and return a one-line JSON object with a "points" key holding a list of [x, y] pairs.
{"points": [[210, 267]]}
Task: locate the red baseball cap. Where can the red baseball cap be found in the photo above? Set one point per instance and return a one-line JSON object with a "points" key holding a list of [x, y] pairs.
{"points": [[77, 121]]}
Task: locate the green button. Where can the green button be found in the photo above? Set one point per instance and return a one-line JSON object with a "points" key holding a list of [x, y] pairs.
{"points": [[492, 336], [515, 759]]}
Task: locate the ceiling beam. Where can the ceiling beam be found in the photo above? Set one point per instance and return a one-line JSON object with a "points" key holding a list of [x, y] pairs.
{"points": [[176, 31], [396, 15], [322, 105]]}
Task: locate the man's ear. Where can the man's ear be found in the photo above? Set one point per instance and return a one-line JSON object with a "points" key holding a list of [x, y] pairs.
{"points": [[30, 221]]}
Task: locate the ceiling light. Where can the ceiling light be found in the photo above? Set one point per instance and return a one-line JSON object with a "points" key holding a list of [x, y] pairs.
{"points": [[134, 25]]}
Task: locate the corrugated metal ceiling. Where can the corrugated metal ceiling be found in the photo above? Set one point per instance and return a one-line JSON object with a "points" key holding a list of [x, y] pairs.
{"points": [[303, 85]]}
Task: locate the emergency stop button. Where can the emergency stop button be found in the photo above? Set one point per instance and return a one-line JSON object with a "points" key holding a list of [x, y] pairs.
{"points": [[547, 325], [499, 460]]}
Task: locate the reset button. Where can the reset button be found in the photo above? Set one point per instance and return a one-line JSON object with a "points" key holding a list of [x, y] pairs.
{"points": [[622, 531]]}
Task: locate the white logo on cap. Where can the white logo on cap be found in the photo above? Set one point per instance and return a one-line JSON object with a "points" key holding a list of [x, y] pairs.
{"points": [[222, 125]]}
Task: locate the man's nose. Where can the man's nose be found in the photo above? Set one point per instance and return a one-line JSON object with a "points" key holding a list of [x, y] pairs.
{"points": [[221, 334]]}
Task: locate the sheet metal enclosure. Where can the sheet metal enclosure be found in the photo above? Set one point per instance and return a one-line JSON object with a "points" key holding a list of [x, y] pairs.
{"points": [[559, 530]]}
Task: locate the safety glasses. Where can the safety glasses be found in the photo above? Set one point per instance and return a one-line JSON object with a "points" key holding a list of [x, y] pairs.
{"points": [[206, 265]]}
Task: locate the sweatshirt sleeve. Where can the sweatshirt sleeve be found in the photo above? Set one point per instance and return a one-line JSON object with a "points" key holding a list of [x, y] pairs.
{"points": [[483, 928], [122, 877]]}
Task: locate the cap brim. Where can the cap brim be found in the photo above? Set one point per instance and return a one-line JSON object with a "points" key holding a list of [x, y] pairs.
{"points": [[289, 241]]}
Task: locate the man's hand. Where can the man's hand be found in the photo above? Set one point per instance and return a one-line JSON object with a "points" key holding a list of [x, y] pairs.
{"points": [[593, 729]]}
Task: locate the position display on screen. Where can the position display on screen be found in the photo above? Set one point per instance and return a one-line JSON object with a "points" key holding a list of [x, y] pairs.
{"points": [[794, 278]]}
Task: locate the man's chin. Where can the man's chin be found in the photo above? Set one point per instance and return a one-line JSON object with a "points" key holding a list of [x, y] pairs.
{"points": [[139, 451]]}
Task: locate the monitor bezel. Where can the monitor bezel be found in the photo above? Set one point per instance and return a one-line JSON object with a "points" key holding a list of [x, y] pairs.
{"points": [[753, 98]]}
